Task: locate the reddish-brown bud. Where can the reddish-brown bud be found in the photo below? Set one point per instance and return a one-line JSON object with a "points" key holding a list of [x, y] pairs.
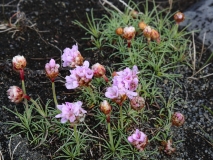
{"points": [[155, 35], [179, 17]]}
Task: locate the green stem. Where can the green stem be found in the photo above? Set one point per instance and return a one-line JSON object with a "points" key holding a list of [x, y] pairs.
{"points": [[25, 100], [131, 55], [54, 94], [39, 109], [121, 117], [110, 137], [77, 138]]}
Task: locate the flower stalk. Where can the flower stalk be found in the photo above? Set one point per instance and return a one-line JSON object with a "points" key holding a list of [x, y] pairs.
{"points": [[77, 138], [54, 93], [110, 137]]}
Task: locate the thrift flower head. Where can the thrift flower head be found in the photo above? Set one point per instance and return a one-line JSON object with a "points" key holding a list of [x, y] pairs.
{"points": [[124, 84], [19, 62], [15, 94], [168, 149], [51, 69], [138, 139], [129, 32], [105, 107], [80, 76], [178, 119], [71, 112], [137, 103], [147, 32], [72, 57]]}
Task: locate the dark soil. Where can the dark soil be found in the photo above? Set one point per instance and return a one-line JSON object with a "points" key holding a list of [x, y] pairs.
{"points": [[53, 32]]}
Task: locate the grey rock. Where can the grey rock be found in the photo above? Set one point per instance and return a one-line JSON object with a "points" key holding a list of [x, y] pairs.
{"points": [[199, 17]]}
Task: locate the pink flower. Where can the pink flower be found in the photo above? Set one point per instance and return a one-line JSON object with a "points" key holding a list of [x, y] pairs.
{"points": [[117, 95], [138, 139], [72, 112], [178, 119], [51, 69], [19, 62], [80, 76], [72, 57], [15, 94]]}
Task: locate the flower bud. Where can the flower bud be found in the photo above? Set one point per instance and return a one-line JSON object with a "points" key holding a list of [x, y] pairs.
{"points": [[142, 25], [155, 35], [129, 32], [15, 94], [177, 119], [134, 13], [119, 31], [99, 71], [51, 69], [19, 63], [179, 17], [137, 103], [147, 32], [105, 107], [168, 149]]}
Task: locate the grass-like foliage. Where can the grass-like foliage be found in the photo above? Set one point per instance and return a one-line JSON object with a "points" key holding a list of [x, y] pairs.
{"points": [[105, 132]]}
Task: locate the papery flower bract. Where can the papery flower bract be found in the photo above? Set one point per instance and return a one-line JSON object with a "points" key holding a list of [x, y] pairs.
{"points": [[72, 57], [80, 76], [72, 112], [168, 149], [19, 62], [15, 94], [147, 32], [134, 13], [137, 103], [129, 32], [177, 119], [138, 139], [51, 69], [105, 107]]}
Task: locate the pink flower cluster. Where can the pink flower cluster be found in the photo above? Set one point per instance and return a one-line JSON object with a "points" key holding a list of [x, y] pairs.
{"points": [[72, 112], [51, 69], [138, 139], [124, 84], [80, 76], [72, 57]]}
